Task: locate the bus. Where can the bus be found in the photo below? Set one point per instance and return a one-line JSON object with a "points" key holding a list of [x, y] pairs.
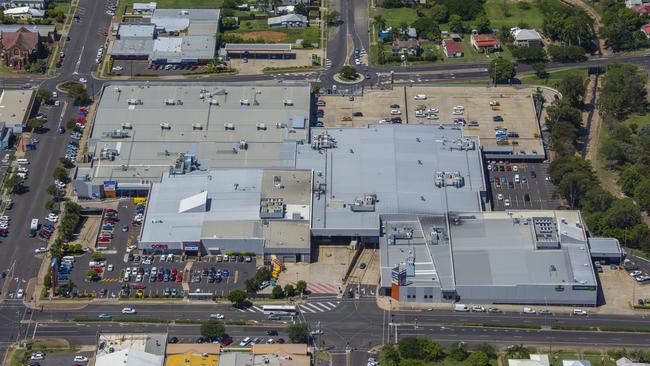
{"points": [[290, 310]]}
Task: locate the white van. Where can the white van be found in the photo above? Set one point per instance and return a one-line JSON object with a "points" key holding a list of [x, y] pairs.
{"points": [[420, 97], [517, 180], [22, 161], [68, 258], [461, 307]]}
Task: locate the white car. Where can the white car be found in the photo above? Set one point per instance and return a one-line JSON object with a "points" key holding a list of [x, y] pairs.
{"points": [[22, 169], [128, 311], [357, 61], [138, 278], [579, 312], [22, 175], [529, 311], [57, 103], [433, 110], [20, 293], [395, 112], [110, 268], [83, 80], [131, 248], [37, 356], [515, 168], [270, 341], [80, 358], [217, 316], [40, 250], [500, 197], [478, 309], [117, 68], [507, 202], [457, 112], [52, 218], [420, 114], [245, 342], [432, 116]]}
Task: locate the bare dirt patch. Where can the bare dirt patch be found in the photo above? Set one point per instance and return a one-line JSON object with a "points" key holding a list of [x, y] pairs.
{"points": [[267, 36]]}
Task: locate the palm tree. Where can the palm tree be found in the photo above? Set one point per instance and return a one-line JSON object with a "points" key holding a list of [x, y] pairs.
{"points": [[380, 21]]}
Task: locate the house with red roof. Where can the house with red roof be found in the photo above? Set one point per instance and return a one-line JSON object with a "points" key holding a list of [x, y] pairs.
{"points": [[19, 48], [452, 48], [485, 42], [641, 9]]}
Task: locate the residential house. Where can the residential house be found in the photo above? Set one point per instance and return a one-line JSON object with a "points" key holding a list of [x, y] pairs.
{"points": [[46, 32], [526, 37], [534, 360], [411, 32], [19, 48], [409, 47], [284, 10], [452, 48], [642, 9], [24, 13], [37, 4], [633, 3], [576, 363], [485, 42], [456, 37], [144, 8], [288, 21], [624, 361], [646, 30]]}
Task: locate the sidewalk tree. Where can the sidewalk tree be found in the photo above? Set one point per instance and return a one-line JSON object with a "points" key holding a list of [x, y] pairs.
{"points": [[332, 17], [380, 21], [60, 174], [35, 124], [540, 70], [298, 333], [477, 358], [237, 297], [301, 286], [13, 183], [390, 354], [501, 70], [44, 95], [277, 292], [517, 351], [213, 328], [458, 351], [289, 290]]}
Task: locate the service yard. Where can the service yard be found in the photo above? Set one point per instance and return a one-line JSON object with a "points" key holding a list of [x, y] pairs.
{"points": [[508, 108]]}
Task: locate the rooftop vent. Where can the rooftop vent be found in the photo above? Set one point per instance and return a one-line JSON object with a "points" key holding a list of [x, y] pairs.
{"points": [[261, 126], [214, 102], [134, 101], [244, 102], [287, 102], [229, 126], [127, 126], [165, 126], [197, 126]]}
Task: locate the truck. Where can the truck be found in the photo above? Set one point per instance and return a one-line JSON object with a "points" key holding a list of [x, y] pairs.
{"points": [[461, 307], [33, 228]]}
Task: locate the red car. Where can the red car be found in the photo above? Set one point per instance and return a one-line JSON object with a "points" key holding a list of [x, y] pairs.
{"points": [[226, 342], [98, 270], [103, 239], [83, 109], [111, 210], [179, 277], [138, 286], [174, 271]]}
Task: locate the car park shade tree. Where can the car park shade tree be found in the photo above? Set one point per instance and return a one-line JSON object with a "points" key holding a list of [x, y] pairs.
{"points": [[237, 297], [501, 70]]}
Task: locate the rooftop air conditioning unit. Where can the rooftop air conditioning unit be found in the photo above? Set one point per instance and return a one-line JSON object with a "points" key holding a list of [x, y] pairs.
{"points": [[214, 102], [197, 126], [134, 101], [261, 126], [165, 126], [243, 145], [287, 102], [127, 126], [170, 102], [229, 126], [244, 102]]}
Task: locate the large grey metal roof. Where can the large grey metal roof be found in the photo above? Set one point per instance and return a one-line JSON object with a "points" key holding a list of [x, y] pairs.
{"points": [[398, 163], [136, 30], [149, 150], [605, 246]]}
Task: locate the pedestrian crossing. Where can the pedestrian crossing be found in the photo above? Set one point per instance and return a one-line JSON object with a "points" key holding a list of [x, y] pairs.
{"points": [[310, 307], [328, 64]]}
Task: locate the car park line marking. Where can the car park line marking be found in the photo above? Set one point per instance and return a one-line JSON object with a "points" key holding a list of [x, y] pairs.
{"points": [[238, 309], [329, 303], [251, 310], [306, 309], [258, 309]]}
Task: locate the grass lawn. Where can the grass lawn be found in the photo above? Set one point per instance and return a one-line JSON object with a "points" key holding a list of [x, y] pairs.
{"points": [[5, 69], [62, 6], [309, 35], [494, 10], [554, 77], [395, 16]]}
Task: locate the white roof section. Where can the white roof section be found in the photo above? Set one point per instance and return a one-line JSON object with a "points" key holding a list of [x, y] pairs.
{"points": [[576, 363], [535, 360], [131, 30], [624, 361], [129, 357], [195, 203], [24, 10], [288, 18], [144, 6], [525, 34], [171, 45]]}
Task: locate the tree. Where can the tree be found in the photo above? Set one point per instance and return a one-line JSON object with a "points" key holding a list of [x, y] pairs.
{"points": [[76, 91], [529, 54], [566, 53], [380, 21], [13, 182], [623, 91], [466, 9], [540, 70], [456, 24], [332, 17], [298, 333], [573, 187], [572, 88], [501, 70], [642, 194], [623, 214], [212, 329], [628, 179], [277, 292], [301, 287], [90, 273], [35, 124], [44, 95], [622, 29], [237, 297], [96, 255], [289, 290], [477, 358], [66, 163], [439, 13], [458, 351], [348, 73], [488, 349], [432, 351], [60, 174], [390, 355], [301, 9], [427, 27], [483, 25], [517, 351], [228, 23]]}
